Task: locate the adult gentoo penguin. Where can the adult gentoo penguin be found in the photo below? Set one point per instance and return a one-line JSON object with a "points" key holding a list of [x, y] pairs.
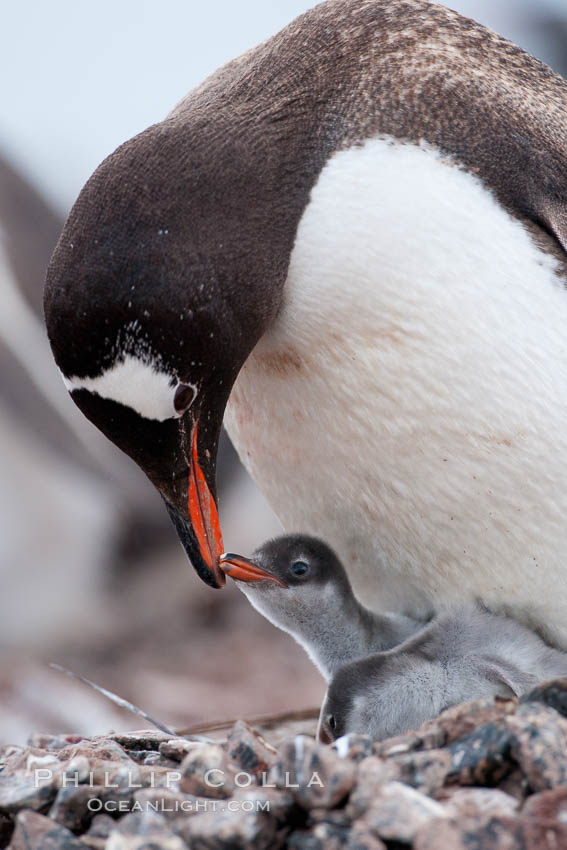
{"points": [[356, 231]]}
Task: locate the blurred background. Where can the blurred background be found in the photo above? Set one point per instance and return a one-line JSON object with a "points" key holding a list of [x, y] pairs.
{"points": [[91, 573]]}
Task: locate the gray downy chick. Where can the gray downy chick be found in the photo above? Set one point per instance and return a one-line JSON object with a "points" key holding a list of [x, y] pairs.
{"points": [[298, 583], [459, 656]]}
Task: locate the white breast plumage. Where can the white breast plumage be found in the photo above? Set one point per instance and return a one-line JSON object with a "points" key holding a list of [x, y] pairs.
{"points": [[409, 403]]}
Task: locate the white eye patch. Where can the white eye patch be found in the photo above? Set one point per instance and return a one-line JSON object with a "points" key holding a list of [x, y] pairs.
{"points": [[137, 384]]}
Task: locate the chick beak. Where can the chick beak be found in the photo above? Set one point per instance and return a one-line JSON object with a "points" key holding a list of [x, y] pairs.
{"points": [[242, 569]]}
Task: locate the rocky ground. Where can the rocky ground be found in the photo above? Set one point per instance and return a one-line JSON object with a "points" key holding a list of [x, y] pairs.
{"points": [[490, 775]]}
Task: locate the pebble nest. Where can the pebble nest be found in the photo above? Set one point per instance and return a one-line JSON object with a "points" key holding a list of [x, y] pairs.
{"points": [[489, 775]]}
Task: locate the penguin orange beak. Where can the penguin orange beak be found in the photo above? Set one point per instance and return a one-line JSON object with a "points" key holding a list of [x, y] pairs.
{"points": [[204, 516], [242, 569]]}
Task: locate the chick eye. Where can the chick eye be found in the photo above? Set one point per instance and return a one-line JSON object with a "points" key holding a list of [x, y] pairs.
{"points": [[183, 398], [299, 568], [331, 722]]}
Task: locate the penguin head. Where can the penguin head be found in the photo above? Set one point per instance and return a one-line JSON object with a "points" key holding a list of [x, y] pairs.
{"points": [[469, 654], [382, 695], [156, 294], [292, 579]]}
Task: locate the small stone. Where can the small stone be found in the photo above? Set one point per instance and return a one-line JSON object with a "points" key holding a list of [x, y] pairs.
{"points": [[75, 805], [99, 830], [27, 790], [36, 832], [145, 739], [205, 772], [158, 776], [360, 839], [332, 836], [249, 751], [397, 812], [314, 773], [139, 823], [230, 830], [545, 817], [426, 771], [122, 776], [149, 757], [402, 744], [168, 803], [476, 802], [372, 772], [99, 749], [495, 833], [162, 839], [154, 759], [323, 836], [515, 784], [459, 721], [141, 831], [337, 817], [354, 747], [540, 745], [46, 741], [303, 839], [177, 748], [547, 805], [71, 807], [8, 751], [77, 769], [46, 759], [280, 804], [544, 835], [483, 757], [29, 758], [552, 693]]}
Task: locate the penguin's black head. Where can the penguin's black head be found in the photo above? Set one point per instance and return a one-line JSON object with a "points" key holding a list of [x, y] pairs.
{"points": [[156, 293]]}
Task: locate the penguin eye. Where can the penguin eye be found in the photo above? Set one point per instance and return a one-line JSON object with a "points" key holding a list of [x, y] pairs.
{"points": [[299, 568], [331, 722], [183, 398]]}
